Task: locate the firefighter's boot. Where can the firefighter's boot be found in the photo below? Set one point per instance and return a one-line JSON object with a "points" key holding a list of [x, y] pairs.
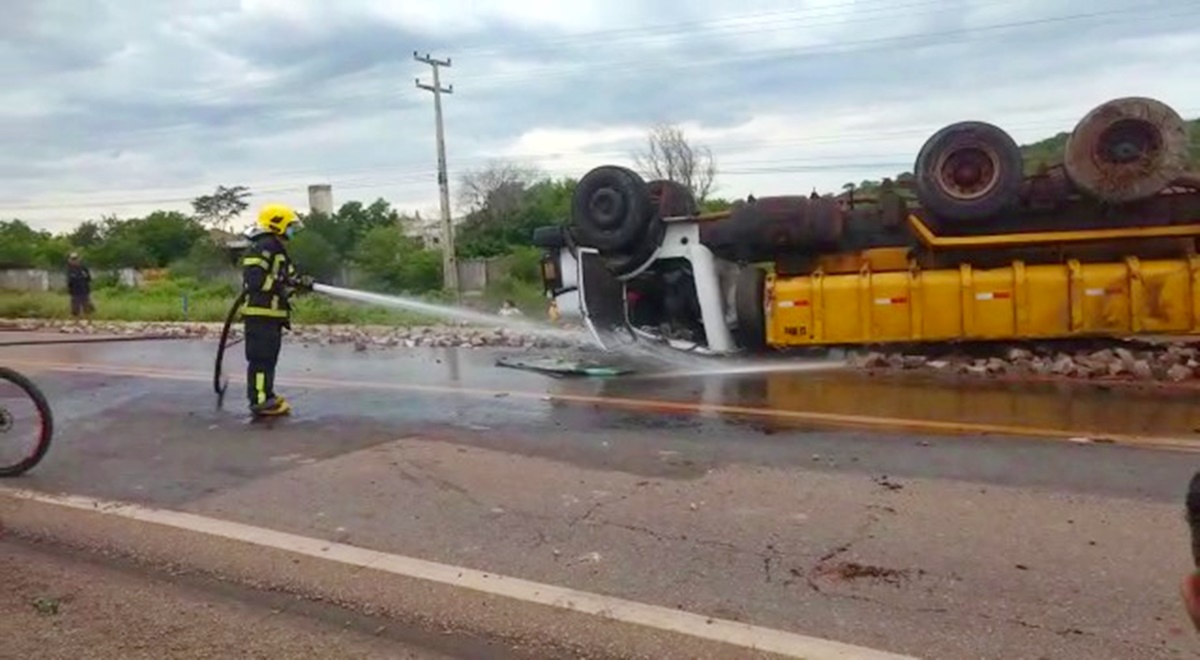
{"points": [[272, 407]]}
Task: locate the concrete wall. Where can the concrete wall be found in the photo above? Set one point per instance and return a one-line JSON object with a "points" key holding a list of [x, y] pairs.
{"points": [[472, 275], [32, 280], [475, 274], [43, 280]]}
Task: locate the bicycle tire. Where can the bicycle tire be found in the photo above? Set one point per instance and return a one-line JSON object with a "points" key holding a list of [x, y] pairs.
{"points": [[43, 407]]}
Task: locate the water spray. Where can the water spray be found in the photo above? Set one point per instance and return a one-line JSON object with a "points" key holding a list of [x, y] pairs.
{"points": [[454, 313], [679, 364]]}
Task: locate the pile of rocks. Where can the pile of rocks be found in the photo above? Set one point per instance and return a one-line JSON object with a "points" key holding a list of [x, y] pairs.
{"points": [[1171, 363], [361, 337]]}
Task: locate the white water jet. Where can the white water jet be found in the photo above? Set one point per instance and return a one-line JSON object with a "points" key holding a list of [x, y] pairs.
{"points": [[676, 362], [456, 313]]}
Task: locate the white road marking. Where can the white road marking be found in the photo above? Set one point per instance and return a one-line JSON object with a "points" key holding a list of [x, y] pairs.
{"points": [[653, 616]]}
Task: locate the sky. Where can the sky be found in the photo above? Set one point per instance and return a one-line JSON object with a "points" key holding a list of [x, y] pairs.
{"points": [[123, 107]]}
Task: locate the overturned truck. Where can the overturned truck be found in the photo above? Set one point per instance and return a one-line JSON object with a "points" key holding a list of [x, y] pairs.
{"points": [[972, 248]]}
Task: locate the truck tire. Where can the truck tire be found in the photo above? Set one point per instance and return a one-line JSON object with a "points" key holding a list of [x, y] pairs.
{"points": [[611, 209], [672, 199], [748, 292], [969, 170], [625, 263], [1127, 149]]}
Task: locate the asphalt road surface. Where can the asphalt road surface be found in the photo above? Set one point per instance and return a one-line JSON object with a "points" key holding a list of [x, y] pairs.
{"points": [[913, 518], [59, 604]]}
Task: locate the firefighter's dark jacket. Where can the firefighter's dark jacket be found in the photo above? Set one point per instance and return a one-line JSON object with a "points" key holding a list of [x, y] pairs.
{"points": [[267, 273]]}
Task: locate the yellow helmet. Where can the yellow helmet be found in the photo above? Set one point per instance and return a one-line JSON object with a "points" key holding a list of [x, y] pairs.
{"points": [[279, 219]]}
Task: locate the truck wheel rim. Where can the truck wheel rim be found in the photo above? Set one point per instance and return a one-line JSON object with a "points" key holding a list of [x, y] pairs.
{"points": [[968, 171], [1128, 142]]}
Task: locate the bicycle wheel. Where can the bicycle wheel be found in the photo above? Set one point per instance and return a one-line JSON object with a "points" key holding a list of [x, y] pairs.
{"points": [[8, 426]]}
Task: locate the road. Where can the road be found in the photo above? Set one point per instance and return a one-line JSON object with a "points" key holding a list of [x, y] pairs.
{"points": [[922, 519], [58, 604]]}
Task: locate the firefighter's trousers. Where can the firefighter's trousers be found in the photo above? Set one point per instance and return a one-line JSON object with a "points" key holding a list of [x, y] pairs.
{"points": [[264, 338]]}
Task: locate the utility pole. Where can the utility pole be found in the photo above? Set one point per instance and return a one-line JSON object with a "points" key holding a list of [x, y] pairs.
{"points": [[449, 260]]}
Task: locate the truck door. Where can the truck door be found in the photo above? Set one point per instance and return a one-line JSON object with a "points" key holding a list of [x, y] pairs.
{"points": [[601, 299]]}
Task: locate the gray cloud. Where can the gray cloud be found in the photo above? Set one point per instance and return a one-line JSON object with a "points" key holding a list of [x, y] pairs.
{"points": [[198, 93]]}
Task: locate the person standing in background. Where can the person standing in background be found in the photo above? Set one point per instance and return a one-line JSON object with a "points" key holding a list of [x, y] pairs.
{"points": [[79, 285]]}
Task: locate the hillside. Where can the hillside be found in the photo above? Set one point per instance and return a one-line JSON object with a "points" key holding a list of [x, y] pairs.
{"points": [[1049, 151]]}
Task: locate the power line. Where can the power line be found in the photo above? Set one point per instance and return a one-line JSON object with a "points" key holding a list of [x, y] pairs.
{"points": [[615, 69], [768, 22], [624, 67], [771, 21], [1060, 123], [883, 162], [400, 173]]}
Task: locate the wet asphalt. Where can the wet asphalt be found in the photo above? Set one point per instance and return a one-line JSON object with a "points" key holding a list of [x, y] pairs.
{"points": [[440, 454], [370, 393]]}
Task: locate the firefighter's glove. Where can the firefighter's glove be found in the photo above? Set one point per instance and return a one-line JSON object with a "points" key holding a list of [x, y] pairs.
{"points": [[303, 284]]}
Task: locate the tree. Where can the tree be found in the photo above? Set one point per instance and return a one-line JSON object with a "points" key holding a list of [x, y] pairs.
{"points": [[19, 244], [670, 156], [315, 255], [497, 188], [395, 262], [345, 228], [166, 235], [86, 234], [221, 207], [206, 260], [486, 232]]}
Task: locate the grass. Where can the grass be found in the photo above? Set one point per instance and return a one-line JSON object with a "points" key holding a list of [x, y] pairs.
{"points": [[209, 302], [118, 305]]}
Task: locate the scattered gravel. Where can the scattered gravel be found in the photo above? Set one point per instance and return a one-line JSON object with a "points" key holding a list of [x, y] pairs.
{"points": [[361, 337], [1173, 363]]}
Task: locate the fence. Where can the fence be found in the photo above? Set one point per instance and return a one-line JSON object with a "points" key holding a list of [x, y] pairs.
{"points": [[34, 280], [475, 274], [473, 277]]}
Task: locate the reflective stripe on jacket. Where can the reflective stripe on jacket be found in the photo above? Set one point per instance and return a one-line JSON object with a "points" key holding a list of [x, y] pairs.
{"points": [[266, 270]]}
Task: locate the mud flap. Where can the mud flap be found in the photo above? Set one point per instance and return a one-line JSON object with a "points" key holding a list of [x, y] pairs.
{"points": [[601, 300]]}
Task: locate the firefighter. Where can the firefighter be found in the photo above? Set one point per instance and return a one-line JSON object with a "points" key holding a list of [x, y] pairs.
{"points": [[268, 279]]}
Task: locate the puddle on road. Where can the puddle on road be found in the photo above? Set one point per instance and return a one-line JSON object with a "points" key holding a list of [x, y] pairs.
{"points": [[803, 386], [1078, 409]]}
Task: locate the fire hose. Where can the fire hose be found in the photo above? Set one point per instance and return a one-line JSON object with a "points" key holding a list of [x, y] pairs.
{"points": [[221, 384]]}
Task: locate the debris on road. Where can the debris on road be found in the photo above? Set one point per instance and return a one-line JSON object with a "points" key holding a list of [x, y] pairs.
{"points": [[361, 337], [586, 558], [855, 571], [884, 482], [552, 366], [1167, 363]]}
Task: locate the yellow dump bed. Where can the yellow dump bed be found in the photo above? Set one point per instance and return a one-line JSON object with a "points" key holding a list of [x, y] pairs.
{"points": [[1019, 301]]}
